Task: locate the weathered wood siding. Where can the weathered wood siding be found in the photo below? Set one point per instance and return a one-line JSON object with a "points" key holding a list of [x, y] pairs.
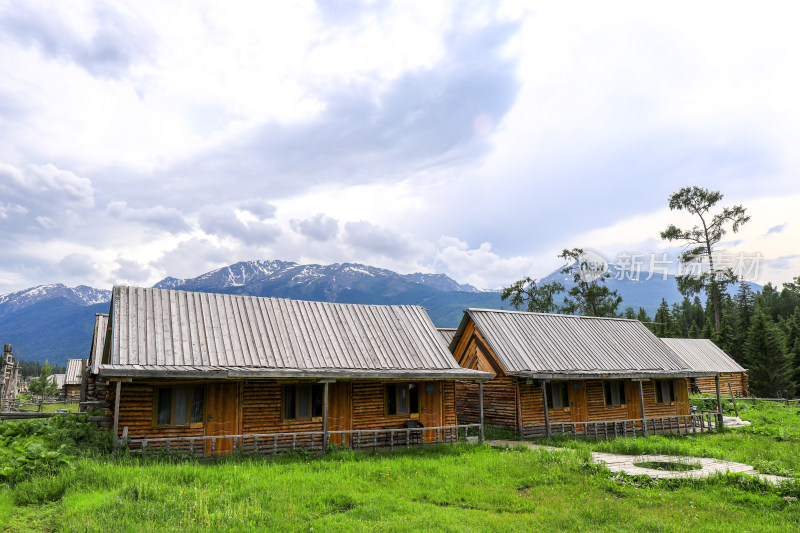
{"points": [[738, 381], [72, 392], [499, 402], [533, 406], [261, 410]]}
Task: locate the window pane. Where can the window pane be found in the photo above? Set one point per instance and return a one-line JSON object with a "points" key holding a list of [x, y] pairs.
{"points": [[164, 406], [413, 395], [391, 399], [402, 400], [317, 392], [289, 394], [180, 410], [304, 401], [622, 397], [198, 395], [564, 395], [549, 392]]}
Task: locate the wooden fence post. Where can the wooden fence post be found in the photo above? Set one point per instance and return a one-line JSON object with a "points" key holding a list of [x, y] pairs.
{"points": [[116, 413], [641, 403], [546, 413], [719, 403], [480, 405]]}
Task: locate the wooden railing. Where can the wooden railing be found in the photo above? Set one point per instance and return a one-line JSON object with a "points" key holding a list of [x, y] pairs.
{"points": [[313, 441], [680, 424]]}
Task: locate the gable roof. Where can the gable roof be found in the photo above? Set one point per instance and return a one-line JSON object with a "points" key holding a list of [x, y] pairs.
{"points": [[703, 354], [447, 334], [168, 333], [98, 341], [73, 376], [549, 346]]}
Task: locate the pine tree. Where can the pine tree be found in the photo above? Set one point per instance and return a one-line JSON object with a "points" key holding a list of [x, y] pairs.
{"points": [[769, 367], [793, 344]]}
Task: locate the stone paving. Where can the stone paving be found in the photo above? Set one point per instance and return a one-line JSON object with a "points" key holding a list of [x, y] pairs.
{"points": [[625, 463]]}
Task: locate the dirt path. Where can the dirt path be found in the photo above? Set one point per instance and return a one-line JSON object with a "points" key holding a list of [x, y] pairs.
{"points": [[625, 463]]}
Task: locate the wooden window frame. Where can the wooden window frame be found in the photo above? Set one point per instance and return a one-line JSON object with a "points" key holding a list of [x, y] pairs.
{"points": [[660, 391], [397, 387], [295, 388], [189, 397], [563, 387], [608, 394]]}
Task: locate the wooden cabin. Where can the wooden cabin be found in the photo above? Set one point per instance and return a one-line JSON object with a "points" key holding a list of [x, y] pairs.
{"points": [[275, 373], [704, 355], [569, 374], [73, 379]]}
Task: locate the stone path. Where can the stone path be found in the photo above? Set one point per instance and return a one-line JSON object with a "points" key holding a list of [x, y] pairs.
{"points": [[625, 463]]}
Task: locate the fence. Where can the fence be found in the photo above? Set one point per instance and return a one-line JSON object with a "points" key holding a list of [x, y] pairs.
{"points": [[681, 424], [313, 441]]}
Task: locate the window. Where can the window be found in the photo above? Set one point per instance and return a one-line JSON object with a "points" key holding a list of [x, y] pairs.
{"points": [[665, 391], [302, 401], [402, 399], [615, 393], [558, 395], [179, 406]]}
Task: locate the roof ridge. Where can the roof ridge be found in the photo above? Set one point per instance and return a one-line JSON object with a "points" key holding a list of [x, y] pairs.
{"points": [[513, 311]]}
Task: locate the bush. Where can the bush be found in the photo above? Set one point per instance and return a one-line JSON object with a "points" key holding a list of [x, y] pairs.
{"points": [[44, 446]]}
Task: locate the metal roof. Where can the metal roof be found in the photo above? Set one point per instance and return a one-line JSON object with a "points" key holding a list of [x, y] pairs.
{"points": [[58, 379], [549, 346], [73, 375], [98, 341], [155, 332], [703, 354], [447, 334]]}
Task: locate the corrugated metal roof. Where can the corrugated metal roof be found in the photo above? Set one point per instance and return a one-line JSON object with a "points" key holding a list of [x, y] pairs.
{"points": [[168, 329], [447, 334], [549, 345], [98, 341], [73, 375], [703, 354]]}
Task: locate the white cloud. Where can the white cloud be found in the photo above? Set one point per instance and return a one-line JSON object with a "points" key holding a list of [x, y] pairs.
{"points": [[165, 218]]}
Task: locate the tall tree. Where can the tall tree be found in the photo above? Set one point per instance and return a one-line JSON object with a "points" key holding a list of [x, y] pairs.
{"points": [[792, 325], [589, 296], [527, 295], [769, 368], [700, 241]]}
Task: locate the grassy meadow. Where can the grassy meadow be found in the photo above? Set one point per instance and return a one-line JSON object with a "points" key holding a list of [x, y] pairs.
{"points": [[463, 487]]}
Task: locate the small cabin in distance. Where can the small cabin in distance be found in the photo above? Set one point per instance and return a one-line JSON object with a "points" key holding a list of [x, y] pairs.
{"points": [[704, 355], [570, 374], [214, 372], [73, 379]]}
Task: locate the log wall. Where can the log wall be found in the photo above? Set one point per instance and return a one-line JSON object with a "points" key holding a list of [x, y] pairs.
{"points": [[261, 410], [72, 392], [738, 381], [499, 402]]}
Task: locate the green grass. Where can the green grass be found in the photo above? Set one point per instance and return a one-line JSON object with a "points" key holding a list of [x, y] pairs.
{"points": [[51, 407], [443, 488], [439, 488], [771, 443]]}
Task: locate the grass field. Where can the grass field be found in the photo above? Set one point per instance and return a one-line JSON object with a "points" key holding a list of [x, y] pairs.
{"points": [[442, 488]]}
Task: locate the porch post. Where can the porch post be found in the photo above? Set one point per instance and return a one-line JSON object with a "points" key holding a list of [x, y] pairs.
{"points": [[116, 413], [480, 408], [546, 413], [719, 403], [325, 417], [641, 403]]}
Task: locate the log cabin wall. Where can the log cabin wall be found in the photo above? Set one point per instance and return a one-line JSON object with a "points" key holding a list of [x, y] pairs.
{"points": [[499, 402], [262, 410], [533, 407], [738, 381], [72, 392]]}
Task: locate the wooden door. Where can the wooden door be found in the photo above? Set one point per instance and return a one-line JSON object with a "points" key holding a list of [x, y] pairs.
{"points": [[430, 407], [632, 400], [681, 396], [222, 415], [340, 411], [577, 403]]}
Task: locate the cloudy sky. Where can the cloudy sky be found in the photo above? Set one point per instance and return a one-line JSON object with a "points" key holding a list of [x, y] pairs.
{"points": [[143, 139]]}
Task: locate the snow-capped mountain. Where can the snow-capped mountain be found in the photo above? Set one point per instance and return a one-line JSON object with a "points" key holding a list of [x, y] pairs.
{"points": [[81, 295], [246, 276]]}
